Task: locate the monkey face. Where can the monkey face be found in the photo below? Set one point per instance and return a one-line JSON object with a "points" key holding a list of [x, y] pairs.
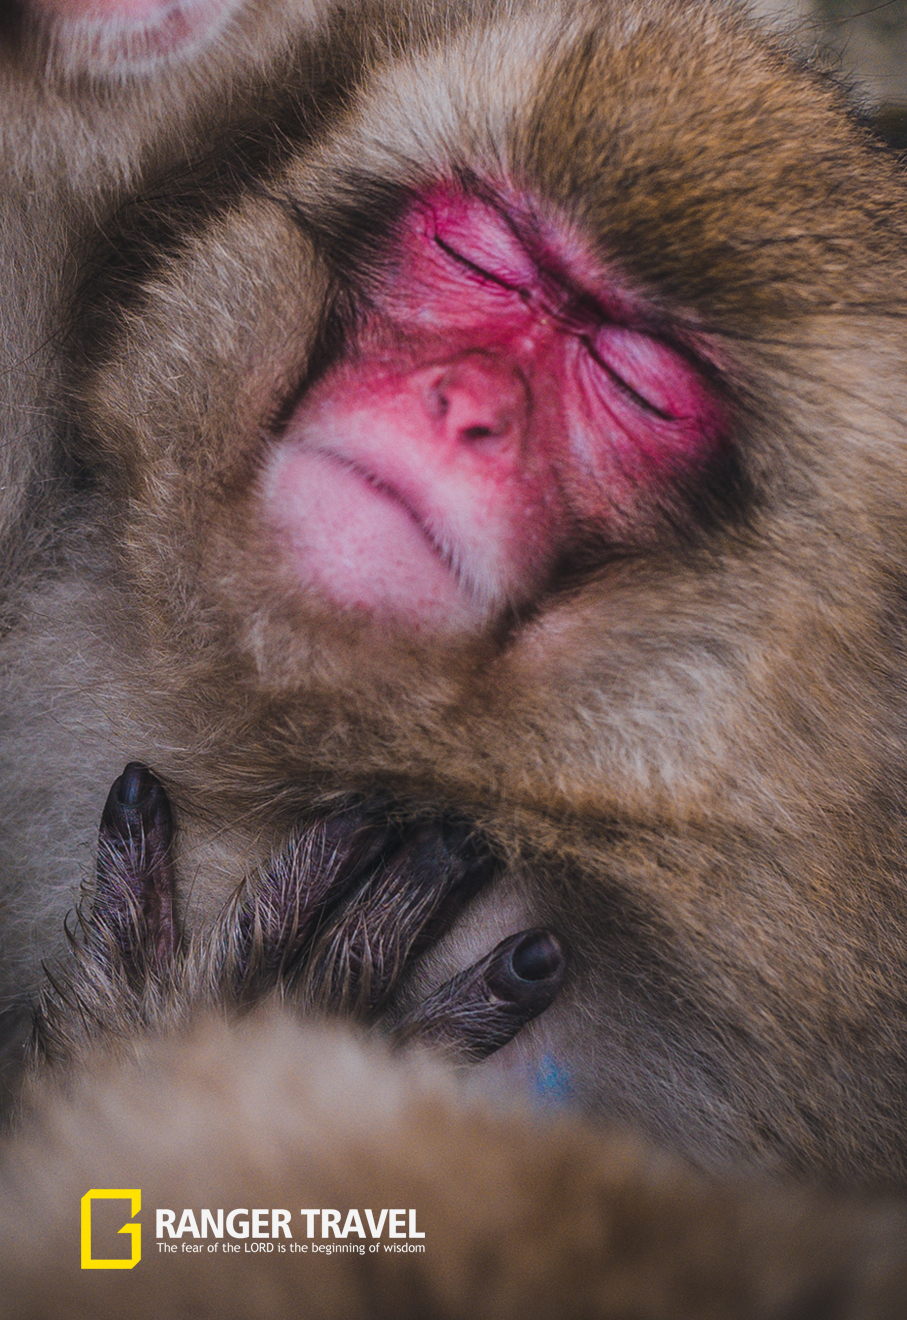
{"points": [[498, 401], [451, 403]]}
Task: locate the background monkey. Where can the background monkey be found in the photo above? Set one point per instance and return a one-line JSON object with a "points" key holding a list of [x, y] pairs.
{"points": [[639, 350]]}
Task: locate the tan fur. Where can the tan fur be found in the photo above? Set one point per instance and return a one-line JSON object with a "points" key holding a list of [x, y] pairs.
{"points": [[69, 158], [522, 1217], [726, 718]]}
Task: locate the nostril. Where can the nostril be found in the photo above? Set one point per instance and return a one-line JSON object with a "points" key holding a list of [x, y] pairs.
{"points": [[477, 398]]}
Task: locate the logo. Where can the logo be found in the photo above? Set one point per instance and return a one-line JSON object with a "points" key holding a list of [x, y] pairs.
{"points": [[134, 1196]]}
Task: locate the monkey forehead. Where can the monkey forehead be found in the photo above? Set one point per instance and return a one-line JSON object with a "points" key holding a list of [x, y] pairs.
{"points": [[726, 207]]}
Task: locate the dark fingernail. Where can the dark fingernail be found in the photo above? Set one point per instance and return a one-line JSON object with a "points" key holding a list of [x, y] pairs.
{"points": [[133, 907], [137, 805], [537, 956], [134, 785], [482, 1008]]}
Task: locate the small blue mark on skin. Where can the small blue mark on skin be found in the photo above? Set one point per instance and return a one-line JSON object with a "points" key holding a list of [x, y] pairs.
{"points": [[552, 1081]]}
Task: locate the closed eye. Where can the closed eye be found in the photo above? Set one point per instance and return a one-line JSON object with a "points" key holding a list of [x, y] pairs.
{"points": [[655, 375], [624, 385], [480, 271]]}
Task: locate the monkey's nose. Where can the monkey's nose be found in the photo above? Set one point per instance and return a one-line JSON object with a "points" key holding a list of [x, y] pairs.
{"points": [[478, 401]]}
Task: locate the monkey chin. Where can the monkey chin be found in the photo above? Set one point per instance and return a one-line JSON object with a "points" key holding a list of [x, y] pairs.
{"points": [[358, 542]]}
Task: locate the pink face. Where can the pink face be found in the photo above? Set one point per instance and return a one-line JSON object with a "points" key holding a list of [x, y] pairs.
{"points": [[504, 400], [127, 34]]}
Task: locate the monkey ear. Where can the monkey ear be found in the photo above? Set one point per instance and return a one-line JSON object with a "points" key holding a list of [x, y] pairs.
{"points": [[113, 38]]}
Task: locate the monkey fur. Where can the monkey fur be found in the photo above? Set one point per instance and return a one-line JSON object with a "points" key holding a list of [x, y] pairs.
{"points": [[651, 647]]}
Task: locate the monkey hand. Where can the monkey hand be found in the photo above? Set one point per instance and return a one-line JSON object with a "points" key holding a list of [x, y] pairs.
{"points": [[332, 925]]}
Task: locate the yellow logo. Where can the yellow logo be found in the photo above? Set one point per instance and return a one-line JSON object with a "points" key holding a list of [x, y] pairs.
{"points": [[134, 1196]]}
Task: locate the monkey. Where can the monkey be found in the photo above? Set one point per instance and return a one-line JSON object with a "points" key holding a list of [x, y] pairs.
{"points": [[492, 410]]}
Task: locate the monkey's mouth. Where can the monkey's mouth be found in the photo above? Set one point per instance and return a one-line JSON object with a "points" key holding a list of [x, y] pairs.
{"points": [[385, 489], [354, 536]]}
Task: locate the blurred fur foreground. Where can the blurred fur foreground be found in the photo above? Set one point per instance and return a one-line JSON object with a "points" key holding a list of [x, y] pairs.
{"points": [[156, 1067], [523, 1216]]}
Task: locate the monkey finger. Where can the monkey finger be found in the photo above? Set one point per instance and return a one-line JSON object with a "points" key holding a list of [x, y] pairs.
{"points": [[411, 900], [480, 1009], [281, 908], [133, 911]]}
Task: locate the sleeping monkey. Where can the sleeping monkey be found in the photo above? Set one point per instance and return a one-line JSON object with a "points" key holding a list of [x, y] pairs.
{"points": [[485, 414]]}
